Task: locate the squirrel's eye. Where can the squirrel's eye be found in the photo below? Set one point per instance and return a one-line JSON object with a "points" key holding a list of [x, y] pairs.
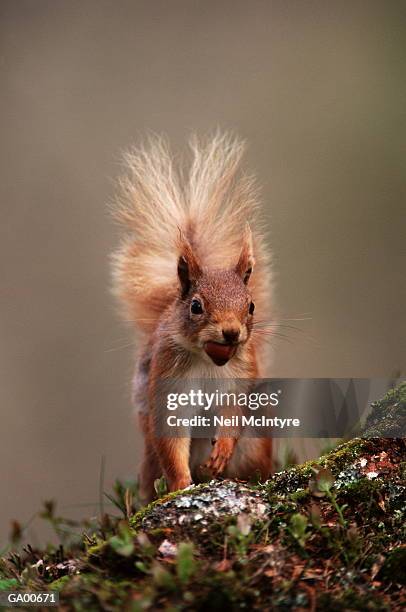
{"points": [[251, 308], [196, 307]]}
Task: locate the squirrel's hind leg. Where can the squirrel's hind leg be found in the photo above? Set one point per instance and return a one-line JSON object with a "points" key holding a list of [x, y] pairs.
{"points": [[150, 471]]}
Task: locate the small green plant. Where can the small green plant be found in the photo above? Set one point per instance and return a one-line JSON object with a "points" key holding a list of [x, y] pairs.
{"points": [[63, 527], [240, 536], [298, 528], [160, 486], [315, 516], [321, 486], [185, 562], [123, 542], [163, 578], [125, 497]]}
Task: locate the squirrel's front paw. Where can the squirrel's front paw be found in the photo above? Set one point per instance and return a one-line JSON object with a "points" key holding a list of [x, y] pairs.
{"points": [[220, 455], [179, 483]]}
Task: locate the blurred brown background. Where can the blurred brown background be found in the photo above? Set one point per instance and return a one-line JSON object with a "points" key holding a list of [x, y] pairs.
{"points": [[317, 89]]}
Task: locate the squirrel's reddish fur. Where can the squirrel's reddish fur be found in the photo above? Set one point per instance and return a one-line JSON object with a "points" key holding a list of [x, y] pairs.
{"points": [[192, 236]]}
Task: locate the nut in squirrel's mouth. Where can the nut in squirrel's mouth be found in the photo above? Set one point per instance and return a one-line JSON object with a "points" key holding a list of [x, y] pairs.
{"points": [[220, 353]]}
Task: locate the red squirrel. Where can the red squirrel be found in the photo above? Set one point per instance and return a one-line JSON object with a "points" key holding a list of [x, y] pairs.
{"points": [[193, 274]]}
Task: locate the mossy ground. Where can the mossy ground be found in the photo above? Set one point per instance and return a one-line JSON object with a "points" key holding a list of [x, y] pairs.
{"points": [[326, 535]]}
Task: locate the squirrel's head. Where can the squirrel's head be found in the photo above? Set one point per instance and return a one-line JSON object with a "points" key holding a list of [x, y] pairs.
{"points": [[217, 304]]}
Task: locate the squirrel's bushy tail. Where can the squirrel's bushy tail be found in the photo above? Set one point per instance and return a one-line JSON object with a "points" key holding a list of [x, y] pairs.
{"points": [[209, 201]]}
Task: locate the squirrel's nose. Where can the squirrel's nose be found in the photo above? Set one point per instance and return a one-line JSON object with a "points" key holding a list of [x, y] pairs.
{"points": [[231, 335]]}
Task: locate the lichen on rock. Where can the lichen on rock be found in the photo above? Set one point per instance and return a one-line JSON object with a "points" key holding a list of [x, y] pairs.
{"points": [[204, 504]]}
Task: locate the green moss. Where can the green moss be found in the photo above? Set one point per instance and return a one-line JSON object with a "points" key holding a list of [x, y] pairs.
{"points": [[361, 491], [301, 496], [388, 415], [57, 585], [394, 567], [350, 601], [96, 551], [298, 477], [8, 583]]}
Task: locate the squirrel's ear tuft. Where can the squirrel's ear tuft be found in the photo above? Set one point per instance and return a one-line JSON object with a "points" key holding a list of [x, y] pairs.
{"points": [[246, 260], [189, 269]]}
